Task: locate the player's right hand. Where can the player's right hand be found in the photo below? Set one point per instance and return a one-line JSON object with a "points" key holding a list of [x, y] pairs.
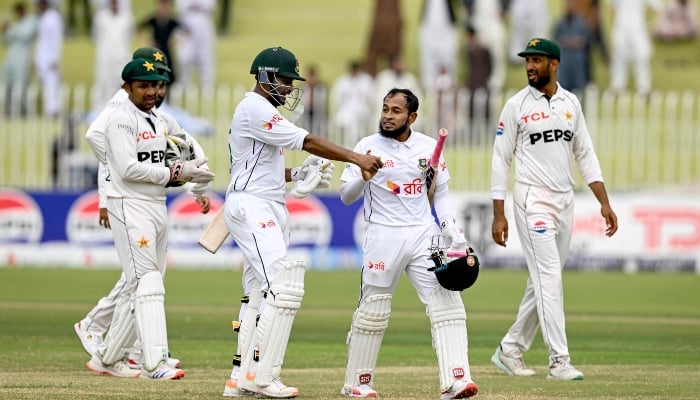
{"points": [[190, 171], [369, 165], [104, 218]]}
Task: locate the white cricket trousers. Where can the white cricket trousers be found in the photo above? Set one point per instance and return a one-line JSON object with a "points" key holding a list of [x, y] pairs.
{"points": [[544, 221]]}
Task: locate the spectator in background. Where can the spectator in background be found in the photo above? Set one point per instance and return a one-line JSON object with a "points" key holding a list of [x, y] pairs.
{"points": [[162, 25], [631, 45], [479, 70], [574, 39], [487, 20], [113, 32], [590, 11], [445, 91], [385, 34], [528, 19], [395, 76], [196, 49], [352, 97], [437, 38], [677, 21], [224, 16], [47, 57], [18, 36], [314, 102], [72, 18]]}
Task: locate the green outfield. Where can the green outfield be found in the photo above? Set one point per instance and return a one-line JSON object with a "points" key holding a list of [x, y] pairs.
{"points": [[634, 336]]}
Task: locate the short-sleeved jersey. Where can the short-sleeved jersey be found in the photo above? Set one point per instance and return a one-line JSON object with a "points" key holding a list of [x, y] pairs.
{"points": [[545, 136], [258, 136], [135, 150], [396, 195]]}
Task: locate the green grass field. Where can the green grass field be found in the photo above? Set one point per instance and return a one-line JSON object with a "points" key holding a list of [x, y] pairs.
{"points": [[634, 336]]}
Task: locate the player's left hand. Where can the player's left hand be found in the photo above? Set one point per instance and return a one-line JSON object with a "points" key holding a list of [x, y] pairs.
{"points": [[453, 236], [318, 176], [610, 220], [204, 203], [104, 218]]}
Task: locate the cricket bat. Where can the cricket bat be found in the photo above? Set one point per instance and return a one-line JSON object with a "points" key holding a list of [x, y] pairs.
{"points": [[216, 233], [434, 162]]}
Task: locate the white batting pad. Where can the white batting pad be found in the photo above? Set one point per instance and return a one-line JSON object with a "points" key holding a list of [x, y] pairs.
{"points": [[369, 322], [150, 319], [281, 305], [247, 336], [121, 335], [448, 322]]}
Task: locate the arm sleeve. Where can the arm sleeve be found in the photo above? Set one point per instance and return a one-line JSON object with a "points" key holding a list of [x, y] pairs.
{"points": [[121, 154], [584, 152], [503, 150], [351, 191], [443, 204], [102, 176], [95, 136]]}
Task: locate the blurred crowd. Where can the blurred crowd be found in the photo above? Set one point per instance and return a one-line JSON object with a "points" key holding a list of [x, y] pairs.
{"points": [[463, 45]]}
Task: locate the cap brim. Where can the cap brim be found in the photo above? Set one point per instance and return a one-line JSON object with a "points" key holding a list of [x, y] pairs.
{"points": [[534, 53], [149, 78], [296, 77], [160, 65]]}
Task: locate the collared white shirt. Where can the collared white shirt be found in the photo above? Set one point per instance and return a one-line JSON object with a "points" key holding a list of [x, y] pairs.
{"points": [[396, 195], [258, 136], [544, 136]]}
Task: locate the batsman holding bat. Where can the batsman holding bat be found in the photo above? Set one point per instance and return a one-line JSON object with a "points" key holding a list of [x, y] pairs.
{"points": [[400, 230], [256, 216]]}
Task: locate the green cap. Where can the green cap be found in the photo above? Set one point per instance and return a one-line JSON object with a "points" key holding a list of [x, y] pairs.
{"points": [[543, 47], [279, 61], [141, 69], [153, 55]]}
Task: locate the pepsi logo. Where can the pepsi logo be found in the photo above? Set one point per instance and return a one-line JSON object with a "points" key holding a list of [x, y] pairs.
{"points": [[309, 222], [83, 221], [186, 221], [21, 220], [539, 227]]}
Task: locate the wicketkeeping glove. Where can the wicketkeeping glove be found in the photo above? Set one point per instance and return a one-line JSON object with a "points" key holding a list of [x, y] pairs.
{"points": [[453, 236], [189, 171]]}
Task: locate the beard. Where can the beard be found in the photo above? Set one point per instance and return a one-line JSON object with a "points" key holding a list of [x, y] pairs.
{"points": [[393, 133]]}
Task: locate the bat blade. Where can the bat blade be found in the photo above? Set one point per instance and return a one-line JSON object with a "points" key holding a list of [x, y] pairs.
{"points": [[434, 162], [216, 233]]}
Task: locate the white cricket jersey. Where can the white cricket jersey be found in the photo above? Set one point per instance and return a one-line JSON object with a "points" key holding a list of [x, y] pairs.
{"points": [[135, 152], [257, 138], [545, 136], [396, 195]]}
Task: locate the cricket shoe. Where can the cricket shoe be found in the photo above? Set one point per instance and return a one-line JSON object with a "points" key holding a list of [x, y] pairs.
{"points": [[120, 369], [460, 389], [89, 341], [513, 366], [136, 360], [275, 390], [232, 390], [163, 372], [563, 370], [358, 391]]}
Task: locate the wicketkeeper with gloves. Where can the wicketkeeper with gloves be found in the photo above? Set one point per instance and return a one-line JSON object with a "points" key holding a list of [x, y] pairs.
{"points": [[400, 232], [135, 144], [256, 216]]}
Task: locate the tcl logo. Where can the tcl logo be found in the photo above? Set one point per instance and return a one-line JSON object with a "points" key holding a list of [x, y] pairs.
{"points": [[538, 116], [656, 221], [146, 135], [155, 156]]}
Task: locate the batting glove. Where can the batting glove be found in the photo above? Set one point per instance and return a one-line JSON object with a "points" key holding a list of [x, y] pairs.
{"points": [[304, 187], [299, 173], [327, 169], [453, 236]]}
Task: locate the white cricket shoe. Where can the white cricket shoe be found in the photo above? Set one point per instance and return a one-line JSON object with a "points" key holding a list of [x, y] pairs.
{"points": [[120, 369], [513, 366], [275, 390], [460, 389], [136, 359], [358, 391], [563, 370], [231, 389], [163, 372], [89, 341]]}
